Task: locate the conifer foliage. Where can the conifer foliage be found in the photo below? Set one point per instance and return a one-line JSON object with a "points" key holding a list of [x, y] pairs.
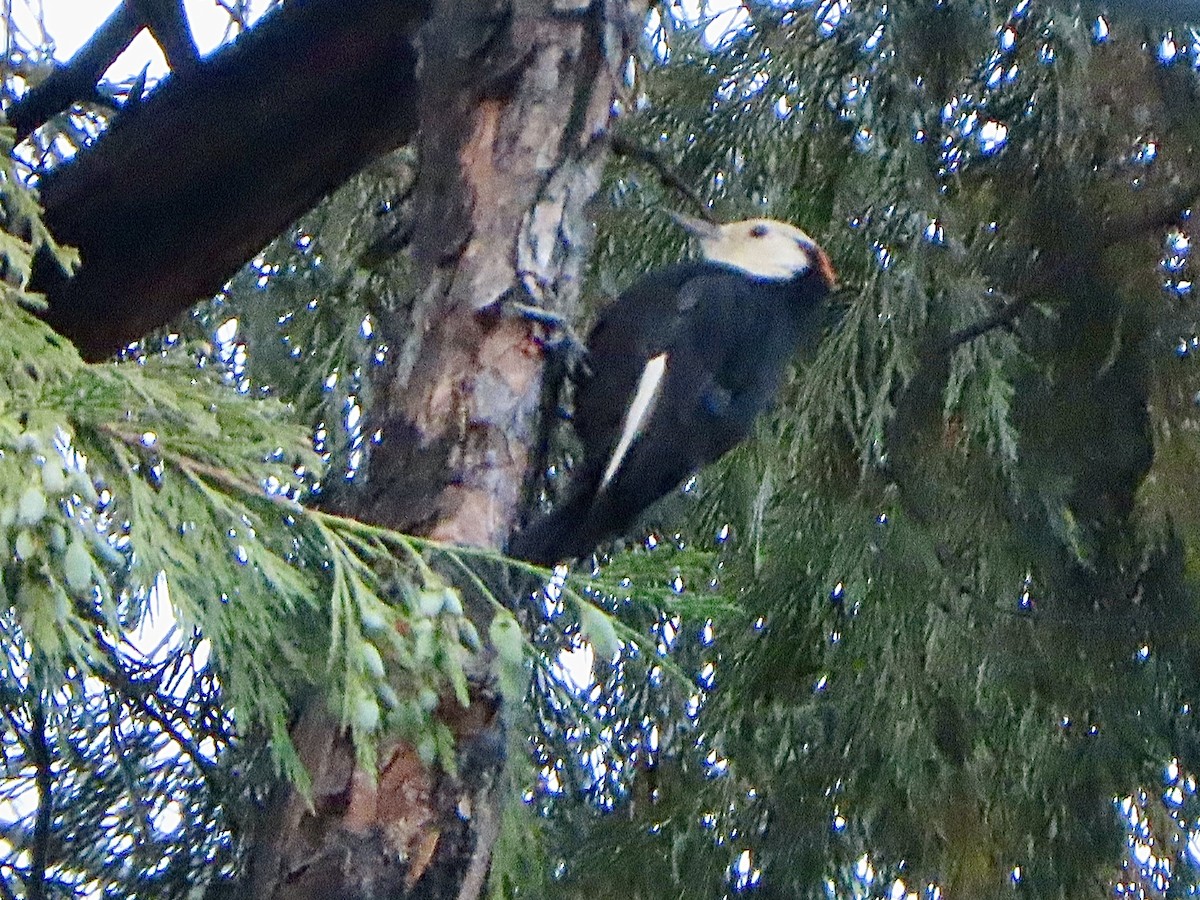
{"points": [[931, 633], [171, 601], [964, 540]]}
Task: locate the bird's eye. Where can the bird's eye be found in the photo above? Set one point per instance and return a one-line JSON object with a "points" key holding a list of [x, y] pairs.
{"points": [[759, 231]]}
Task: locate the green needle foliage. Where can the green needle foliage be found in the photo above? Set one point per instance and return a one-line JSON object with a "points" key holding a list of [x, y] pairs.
{"points": [[964, 541], [944, 642], [154, 496]]}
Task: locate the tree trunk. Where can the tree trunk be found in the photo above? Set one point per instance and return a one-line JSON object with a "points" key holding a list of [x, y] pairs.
{"points": [[516, 101]]}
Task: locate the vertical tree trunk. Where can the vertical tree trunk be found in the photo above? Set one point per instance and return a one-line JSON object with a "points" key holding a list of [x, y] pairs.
{"points": [[516, 102]]}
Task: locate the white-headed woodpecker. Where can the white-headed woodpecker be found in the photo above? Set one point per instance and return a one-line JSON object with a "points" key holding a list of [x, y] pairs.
{"points": [[677, 370]]}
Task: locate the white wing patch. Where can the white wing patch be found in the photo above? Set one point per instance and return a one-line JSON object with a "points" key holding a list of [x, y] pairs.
{"points": [[644, 399]]}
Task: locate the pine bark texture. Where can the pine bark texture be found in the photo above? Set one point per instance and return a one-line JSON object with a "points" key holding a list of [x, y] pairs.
{"points": [[516, 100]]}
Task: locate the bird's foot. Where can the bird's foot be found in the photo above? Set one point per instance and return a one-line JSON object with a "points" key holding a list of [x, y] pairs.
{"points": [[560, 339]]}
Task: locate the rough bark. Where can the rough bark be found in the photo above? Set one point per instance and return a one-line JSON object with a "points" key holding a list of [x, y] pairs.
{"points": [[514, 113], [186, 187], [499, 216]]}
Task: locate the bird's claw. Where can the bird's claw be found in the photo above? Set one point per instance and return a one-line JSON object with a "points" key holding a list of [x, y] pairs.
{"points": [[561, 340]]}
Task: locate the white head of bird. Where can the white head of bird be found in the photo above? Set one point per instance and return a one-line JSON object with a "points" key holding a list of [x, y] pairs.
{"points": [[762, 248]]}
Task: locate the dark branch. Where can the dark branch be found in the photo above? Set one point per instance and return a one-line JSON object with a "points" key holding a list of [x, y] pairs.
{"points": [[44, 776], [1005, 315], [1161, 12], [1152, 218], [168, 23], [134, 695], [76, 80], [625, 147], [172, 200], [130, 692]]}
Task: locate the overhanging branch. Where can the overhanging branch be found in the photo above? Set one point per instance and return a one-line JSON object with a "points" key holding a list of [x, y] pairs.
{"points": [[180, 193], [76, 80]]}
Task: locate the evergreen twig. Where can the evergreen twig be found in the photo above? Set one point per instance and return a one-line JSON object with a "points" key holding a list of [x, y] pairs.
{"points": [[130, 692], [624, 147], [1005, 315]]}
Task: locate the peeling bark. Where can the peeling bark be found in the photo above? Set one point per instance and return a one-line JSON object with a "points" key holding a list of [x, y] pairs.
{"points": [[515, 110], [401, 831], [512, 147]]}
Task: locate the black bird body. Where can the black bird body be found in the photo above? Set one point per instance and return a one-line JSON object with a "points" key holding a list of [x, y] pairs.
{"points": [[678, 368]]}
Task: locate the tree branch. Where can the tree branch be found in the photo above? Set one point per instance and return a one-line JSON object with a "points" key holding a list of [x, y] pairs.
{"points": [[132, 694], [1151, 218], [175, 197], [168, 22], [1164, 12], [1005, 315], [36, 883], [77, 79], [627, 148], [1028, 287]]}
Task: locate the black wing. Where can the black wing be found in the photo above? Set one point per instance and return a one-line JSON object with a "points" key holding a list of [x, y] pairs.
{"points": [[727, 338], [637, 326]]}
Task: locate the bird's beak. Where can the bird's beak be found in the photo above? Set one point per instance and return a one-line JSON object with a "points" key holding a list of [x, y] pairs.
{"points": [[710, 231], [825, 269]]}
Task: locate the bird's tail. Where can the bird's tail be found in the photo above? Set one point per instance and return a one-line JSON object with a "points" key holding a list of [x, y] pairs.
{"points": [[556, 536]]}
